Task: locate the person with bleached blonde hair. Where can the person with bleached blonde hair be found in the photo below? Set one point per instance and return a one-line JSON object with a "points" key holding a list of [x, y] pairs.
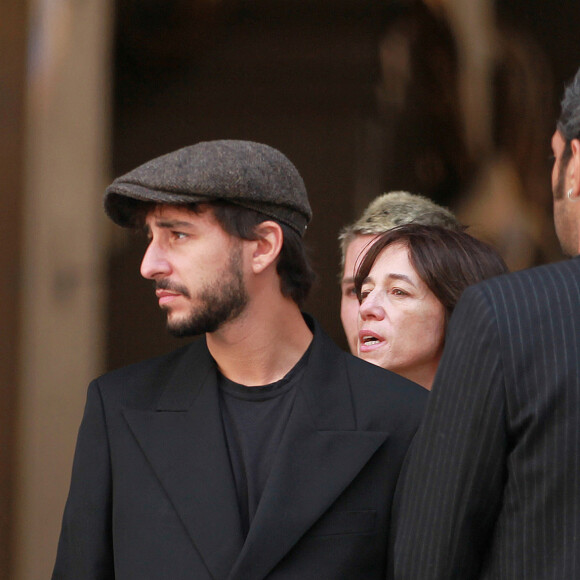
{"points": [[385, 212]]}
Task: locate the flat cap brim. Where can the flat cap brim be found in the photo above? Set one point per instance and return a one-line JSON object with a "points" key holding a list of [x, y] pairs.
{"points": [[248, 174]]}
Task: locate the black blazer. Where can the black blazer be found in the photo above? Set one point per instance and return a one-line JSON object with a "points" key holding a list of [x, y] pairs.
{"points": [[492, 488], [153, 497]]}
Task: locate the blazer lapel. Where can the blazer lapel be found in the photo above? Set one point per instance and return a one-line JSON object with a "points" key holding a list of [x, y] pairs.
{"points": [[183, 441], [320, 454]]}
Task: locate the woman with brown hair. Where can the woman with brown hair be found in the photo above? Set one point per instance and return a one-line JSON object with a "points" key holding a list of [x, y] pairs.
{"points": [[407, 284]]}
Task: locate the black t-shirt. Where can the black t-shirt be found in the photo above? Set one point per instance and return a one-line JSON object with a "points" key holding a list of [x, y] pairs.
{"points": [[254, 420]]}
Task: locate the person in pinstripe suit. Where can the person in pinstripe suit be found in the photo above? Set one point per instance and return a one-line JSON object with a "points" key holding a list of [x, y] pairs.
{"points": [[491, 488]]}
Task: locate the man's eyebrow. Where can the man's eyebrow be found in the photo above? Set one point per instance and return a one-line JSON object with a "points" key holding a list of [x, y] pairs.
{"points": [[167, 225], [170, 224]]}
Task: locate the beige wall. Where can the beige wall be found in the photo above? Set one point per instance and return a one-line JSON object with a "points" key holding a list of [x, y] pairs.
{"points": [[62, 280], [12, 82]]}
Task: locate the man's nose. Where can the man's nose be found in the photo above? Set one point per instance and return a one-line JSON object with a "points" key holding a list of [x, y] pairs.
{"points": [[154, 264]]}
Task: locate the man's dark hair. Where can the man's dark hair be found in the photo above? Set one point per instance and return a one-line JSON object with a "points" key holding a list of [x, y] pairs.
{"points": [[569, 122], [293, 267], [446, 260]]}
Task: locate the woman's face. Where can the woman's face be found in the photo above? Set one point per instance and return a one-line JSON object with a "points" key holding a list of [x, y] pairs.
{"points": [[401, 322]]}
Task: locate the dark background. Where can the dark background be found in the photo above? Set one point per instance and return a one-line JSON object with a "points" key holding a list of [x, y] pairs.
{"points": [[306, 78]]}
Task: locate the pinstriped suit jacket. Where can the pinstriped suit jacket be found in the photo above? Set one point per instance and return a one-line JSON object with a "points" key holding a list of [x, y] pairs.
{"points": [[492, 483]]}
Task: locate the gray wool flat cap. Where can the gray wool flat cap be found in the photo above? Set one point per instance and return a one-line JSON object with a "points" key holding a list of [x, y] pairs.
{"points": [[244, 173]]}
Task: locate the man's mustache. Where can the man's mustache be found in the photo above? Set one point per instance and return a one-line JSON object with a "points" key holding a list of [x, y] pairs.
{"points": [[167, 285]]}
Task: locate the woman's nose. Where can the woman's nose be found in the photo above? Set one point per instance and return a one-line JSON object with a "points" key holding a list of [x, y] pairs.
{"points": [[154, 264], [371, 308]]}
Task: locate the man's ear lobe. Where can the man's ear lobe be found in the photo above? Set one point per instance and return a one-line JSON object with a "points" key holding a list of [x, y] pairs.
{"points": [[266, 248]]}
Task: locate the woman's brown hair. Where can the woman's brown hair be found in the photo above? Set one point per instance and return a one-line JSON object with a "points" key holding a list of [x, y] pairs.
{"points": [[446, 260]]}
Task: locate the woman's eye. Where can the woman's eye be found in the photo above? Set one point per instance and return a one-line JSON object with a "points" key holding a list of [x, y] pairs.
{"points": [[179, 235], [398, 292], [364, 294]]}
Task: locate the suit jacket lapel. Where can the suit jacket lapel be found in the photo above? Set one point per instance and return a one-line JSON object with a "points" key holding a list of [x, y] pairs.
{"points": [[184, 443], [320, 454]]}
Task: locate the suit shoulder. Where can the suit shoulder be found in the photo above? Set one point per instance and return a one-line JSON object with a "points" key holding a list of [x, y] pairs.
{"points": [[363, 372], [566, 271], [379, 391], [529, 308], [517, 290], [146, 375]]}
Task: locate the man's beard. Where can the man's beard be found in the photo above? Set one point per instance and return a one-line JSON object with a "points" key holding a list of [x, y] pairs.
{"points": [[219, 301]]}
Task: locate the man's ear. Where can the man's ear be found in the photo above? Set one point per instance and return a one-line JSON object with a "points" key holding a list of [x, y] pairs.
{"points": [[574, 168], [266, 248]]}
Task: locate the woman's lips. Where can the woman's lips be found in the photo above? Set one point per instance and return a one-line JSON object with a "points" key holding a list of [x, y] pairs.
{"points": [[369, 340]]}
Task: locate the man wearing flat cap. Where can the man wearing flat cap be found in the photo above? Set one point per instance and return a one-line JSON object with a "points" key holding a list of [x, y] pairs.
{"points": [[261, 450]]}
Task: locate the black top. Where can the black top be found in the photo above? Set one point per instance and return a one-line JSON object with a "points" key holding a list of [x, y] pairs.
{"points": [[254, 420]]}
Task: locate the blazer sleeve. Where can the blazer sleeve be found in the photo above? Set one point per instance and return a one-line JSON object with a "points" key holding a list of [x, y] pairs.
{"points": [[85, 545], [455, 471]]}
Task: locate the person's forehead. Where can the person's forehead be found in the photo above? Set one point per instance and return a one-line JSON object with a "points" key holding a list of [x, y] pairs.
{"points": [[394, 263], [168, 217], [394, 258], [354, 250]]}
